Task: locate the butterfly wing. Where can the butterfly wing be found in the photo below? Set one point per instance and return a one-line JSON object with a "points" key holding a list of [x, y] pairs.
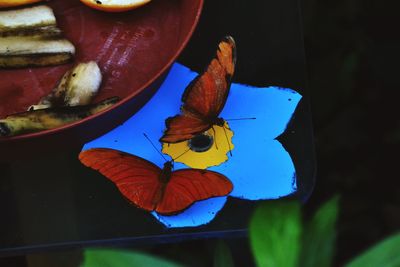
{"points": [[136, 178], [205, 96], [182, 128], [190, 185]]}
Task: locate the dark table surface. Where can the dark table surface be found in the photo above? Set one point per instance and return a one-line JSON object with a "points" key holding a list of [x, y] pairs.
{"points": [[46, 203]]}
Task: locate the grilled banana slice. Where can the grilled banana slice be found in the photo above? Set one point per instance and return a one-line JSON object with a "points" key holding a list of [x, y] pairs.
{"points": [[30, 37], [15, 3], [77, 87], [44, 119], [21, 51], [37, 20]]}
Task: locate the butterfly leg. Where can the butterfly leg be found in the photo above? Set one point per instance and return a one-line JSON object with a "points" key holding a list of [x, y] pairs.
{"points": [[215, 137], [227, 140]]}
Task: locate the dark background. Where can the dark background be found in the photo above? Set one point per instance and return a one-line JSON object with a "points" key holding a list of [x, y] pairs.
{"points": [[352, 59]]}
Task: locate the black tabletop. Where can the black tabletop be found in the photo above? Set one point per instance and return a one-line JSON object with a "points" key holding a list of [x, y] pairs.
{"points": [[50, 201]]}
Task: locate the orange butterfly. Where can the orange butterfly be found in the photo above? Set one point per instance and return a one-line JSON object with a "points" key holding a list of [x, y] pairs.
{"points": [[154, 189], [204, 98]]}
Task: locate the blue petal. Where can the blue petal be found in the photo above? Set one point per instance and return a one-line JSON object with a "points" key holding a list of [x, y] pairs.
{"points": [[200, 213], [260, 168], [150, 119], [271, 106], [267, 173]]}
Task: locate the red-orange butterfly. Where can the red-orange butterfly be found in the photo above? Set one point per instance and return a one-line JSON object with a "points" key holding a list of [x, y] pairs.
{"points": [[205, 97], [154, 189]]}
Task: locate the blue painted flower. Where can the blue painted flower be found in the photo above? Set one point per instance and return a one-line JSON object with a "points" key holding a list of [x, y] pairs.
{"points": [[260, 167]]}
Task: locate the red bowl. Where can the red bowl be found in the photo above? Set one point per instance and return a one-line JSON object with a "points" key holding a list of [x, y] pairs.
{"points": [[134, 50]]}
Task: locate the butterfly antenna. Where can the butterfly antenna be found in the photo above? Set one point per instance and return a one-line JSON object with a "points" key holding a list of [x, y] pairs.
{"points": [[240, 119], [227, 140], [215, 138], [181, 154], [145, 135]]}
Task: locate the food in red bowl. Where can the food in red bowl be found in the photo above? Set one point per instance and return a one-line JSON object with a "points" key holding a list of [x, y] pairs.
{"points": [[134, 51]]}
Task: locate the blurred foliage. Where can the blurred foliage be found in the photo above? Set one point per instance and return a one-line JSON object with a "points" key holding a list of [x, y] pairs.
{"points": [[275, 229], [319, 238], [275, 234], [223, 256], [122, 258], [278, 237], [386, 253]]}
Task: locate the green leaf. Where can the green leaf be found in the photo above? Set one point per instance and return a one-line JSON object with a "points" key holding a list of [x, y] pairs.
{"points": [[319, 236], [275, 233], [223, 255], [386, 253], [122, 258]]}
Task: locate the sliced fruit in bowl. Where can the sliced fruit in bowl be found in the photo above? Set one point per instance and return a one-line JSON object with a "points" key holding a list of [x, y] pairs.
{"points": [[13, 3], [115, 5], [134, 51]]}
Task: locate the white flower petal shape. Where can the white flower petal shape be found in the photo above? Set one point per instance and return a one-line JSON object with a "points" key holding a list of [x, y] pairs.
{"points": [[260, 168]]}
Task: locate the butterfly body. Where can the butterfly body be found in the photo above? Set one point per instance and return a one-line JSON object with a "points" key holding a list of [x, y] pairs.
{"points": [[166, 171], [204, 98], [219, 122], [151, 188]]}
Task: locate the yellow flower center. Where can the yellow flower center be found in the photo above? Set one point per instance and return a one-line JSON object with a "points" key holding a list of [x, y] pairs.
{"points": [[204, 150]]}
